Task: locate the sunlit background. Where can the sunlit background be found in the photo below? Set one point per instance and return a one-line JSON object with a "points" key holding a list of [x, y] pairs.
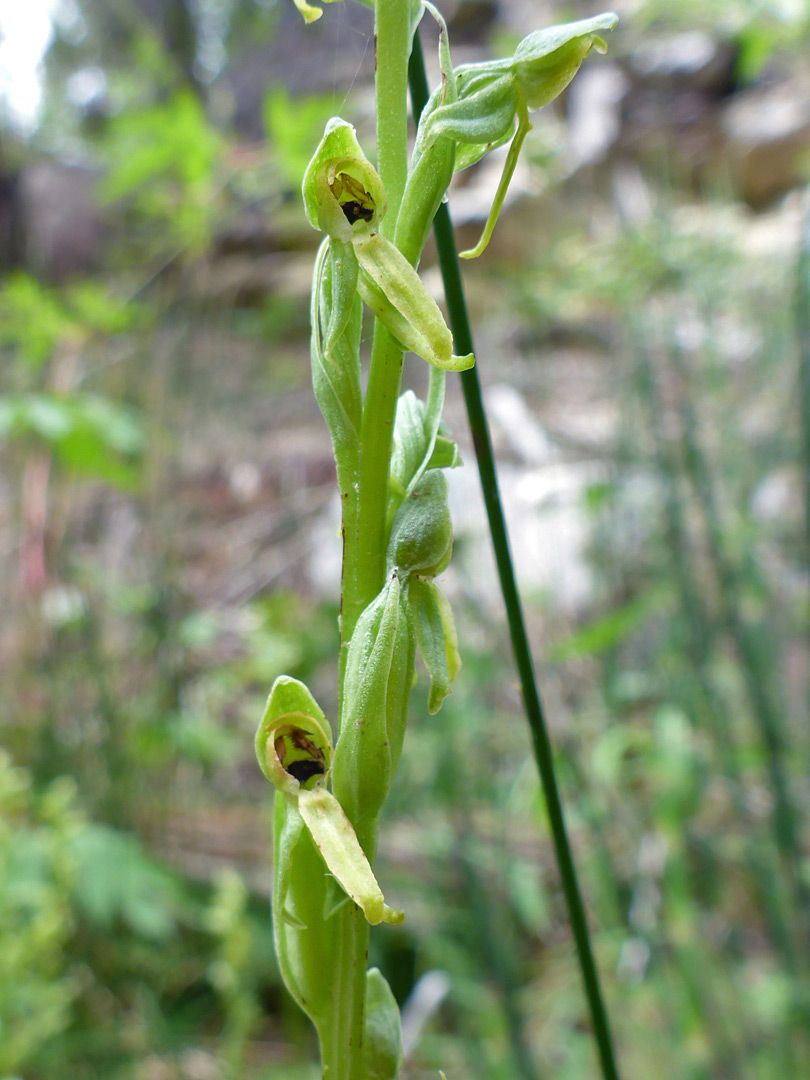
{"points": [[169, 540]]}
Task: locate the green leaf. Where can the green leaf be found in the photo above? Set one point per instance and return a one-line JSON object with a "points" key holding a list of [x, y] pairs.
{"points": [[33, 319], [172, 140], [88, 433], [293, 126], [116, 879]]}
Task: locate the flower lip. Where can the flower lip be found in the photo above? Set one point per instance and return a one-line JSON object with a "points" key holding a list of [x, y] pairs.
{"points": [[297, 752], [348, 184]]}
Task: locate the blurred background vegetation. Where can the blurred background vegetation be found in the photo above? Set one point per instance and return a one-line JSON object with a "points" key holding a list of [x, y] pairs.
{"points": [[168, 527]]}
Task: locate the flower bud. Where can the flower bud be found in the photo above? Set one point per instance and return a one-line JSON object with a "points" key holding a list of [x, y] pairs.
{"points": [[546, 61], [422, 533]]}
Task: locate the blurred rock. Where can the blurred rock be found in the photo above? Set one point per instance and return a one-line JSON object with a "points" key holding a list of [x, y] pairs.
{"points": [[514, 423], [695, 60], [63, 223], [330, 55], [594, 112], [767, 132], [470, 20]]}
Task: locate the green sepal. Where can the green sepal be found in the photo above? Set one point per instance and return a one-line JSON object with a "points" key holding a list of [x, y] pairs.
{"points": [[285, 845], [397, 296], [546, 61], [343, 287], [340, 849], [417, 447], [336, 371], [410, 442], [305, 942], [435, 631], [383, 1034], [422, 533], [483, 116], [337, 174]]}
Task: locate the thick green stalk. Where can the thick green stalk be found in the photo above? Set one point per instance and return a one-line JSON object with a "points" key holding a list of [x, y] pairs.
{"points": [[462, 335], [392, 28], [393, 46], [342, 1050], [342, 1044], [376, 437]]}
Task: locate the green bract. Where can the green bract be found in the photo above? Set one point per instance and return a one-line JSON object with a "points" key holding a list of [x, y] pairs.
{"points": [[383, 1029], [378, 677]]}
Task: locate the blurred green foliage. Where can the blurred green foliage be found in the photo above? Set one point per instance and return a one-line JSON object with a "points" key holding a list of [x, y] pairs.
{"points": [[37, 872]]}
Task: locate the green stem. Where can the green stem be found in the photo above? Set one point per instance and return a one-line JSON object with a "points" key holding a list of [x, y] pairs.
{"points": [[376, 437], [342, 1051], [342, 1042], [392, 27], [462, 335]]}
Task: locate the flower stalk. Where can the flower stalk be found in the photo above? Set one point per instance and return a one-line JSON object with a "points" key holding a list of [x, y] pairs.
{"points": [[390, 455]]}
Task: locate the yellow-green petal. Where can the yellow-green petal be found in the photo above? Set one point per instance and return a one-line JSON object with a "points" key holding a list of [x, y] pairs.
{"points": [[397, 296], [337, 842]]}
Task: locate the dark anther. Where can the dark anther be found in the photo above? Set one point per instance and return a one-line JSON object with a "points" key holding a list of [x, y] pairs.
{"points": [[304, 769], [355, 211]]}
